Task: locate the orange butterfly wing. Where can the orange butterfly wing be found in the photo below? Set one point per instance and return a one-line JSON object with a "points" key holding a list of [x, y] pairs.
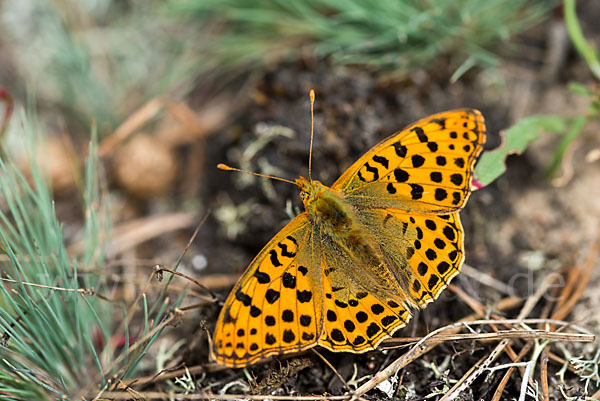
{"points": [[409, 189], [276, 305], [426, 167], [357, 312]]}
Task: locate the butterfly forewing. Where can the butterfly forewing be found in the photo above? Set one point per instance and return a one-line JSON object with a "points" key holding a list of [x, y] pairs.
{"points": [[276, 305], [427, 167]]}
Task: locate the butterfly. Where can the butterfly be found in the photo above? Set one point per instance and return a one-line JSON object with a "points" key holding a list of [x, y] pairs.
{"points": [[384, 240]]}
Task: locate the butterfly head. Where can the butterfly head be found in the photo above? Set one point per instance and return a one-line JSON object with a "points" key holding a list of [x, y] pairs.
{"points": [[309, 190]]}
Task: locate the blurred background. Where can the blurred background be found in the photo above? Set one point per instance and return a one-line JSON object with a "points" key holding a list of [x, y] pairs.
{"points": [[168, 89]]}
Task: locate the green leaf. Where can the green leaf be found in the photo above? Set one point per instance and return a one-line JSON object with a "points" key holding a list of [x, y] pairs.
{"points": [[581, 89], [515, 140]]}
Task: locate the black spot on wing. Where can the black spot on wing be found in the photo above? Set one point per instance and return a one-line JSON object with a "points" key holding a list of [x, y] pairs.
{"points": [[271, 295], [443, 267], [254, 311], [381, 160], [288, 280], [433, 280], [449, 233], [274, 260], [341, 304], [456, 179], [337, 335], [417, 160], [401, 175], [372, 170], [420, 134], [285, 252], [388, 320], [305, 320], [288, 336], [439, 121], [440, 194], [416, 191], [262, 278], [243, 298], [400, 149], [270, 339], [436, 176], [373, 329], [303, 296], [456, 198]]}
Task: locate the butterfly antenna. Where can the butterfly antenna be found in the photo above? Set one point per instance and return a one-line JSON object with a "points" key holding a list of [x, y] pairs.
{"points": [[312, 131], [225, 167]]}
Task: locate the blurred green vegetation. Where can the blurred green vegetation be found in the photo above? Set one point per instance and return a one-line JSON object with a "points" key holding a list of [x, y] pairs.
{"points": [[517, 138], [390, 36], [100, 60], [62, 331]]}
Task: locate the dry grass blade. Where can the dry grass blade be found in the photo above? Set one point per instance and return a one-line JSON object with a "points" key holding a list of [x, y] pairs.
{"points": [[485, 279], [508, 334], [502, 385], [133, 233], [339, 376], [209, 396], [214, 297], [133, 348], [172, 374], [544, 374], [580, 282], [423, 347], [475, 372], [132, 124], [470, 377], [480, 309], [125, 323]]}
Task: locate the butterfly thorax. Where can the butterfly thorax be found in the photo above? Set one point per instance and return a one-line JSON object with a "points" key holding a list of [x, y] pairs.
{"points": [[326, 207]]}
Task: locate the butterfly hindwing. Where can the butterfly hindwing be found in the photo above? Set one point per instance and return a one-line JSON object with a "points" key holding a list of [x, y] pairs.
{"points": [[362, 305], [276, 305], [357, 320], [427, 167], [426, 250]]}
